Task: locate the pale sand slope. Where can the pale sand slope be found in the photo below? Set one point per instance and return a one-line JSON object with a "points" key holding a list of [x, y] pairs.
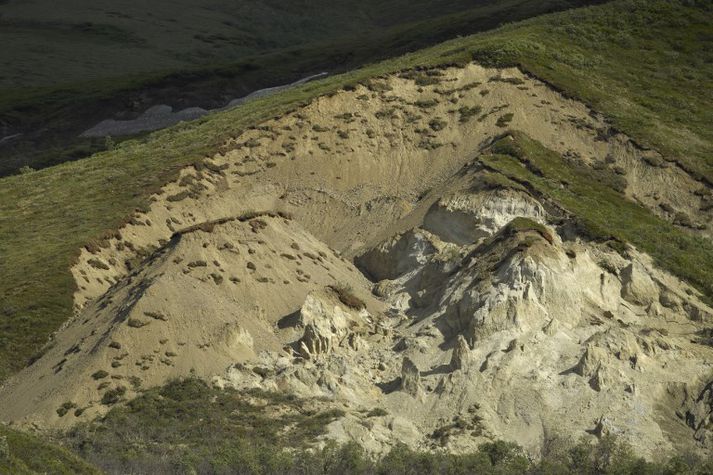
{"points": [[209, 298], [523, 336]]}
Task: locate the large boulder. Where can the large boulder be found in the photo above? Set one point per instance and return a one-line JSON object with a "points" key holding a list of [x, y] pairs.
{"points": [[637, 286], [398, 255], [328, 325]]}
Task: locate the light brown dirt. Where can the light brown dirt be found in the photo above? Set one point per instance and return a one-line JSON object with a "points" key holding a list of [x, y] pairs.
{"points": [[562, 335]]}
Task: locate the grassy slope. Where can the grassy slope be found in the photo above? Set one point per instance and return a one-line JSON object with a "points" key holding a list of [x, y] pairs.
{"points": [[46, 216], [189, 424], [109, 38], [190, 55], [604, 212], [647, 64], [30, 455]]}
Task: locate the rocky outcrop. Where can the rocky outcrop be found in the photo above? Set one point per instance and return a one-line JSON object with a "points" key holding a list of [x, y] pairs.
{"points": [[314, 342], [460, 358], [328, 325], [397, 255], [464, 218], [637, 285], [523, 309], [213, 296], [486, 314], [410, 377], [583, 333], [697, 412]]}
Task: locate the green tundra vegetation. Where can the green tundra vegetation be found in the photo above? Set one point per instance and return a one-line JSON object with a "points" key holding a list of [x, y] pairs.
{"points": [[22, 454], [190, 427]]}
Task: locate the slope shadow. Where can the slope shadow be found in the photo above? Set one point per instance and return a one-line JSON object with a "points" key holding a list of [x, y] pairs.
{"points": [[390, 386]]}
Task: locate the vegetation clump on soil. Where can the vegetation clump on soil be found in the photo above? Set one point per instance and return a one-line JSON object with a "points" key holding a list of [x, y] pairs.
{"points": [[347, 297], [191, 424]]}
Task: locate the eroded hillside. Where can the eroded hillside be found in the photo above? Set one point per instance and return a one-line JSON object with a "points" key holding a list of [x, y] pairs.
{"points": [[351, 165], [365, 250]]}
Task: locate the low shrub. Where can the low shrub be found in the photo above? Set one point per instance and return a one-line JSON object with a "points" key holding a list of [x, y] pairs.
{"points": [[347, 297], [437, 124], [100, 374], [504, 120], [113, 396], [466, 113]]}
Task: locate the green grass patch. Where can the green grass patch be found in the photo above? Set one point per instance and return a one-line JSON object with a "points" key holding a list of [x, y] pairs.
{"points": [[22, 453], [604, 213], [437, 124], [467, 113], [504, 120], [522, 224], [494, 181]]}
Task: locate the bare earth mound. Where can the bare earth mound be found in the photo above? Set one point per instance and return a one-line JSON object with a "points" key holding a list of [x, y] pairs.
{"points": [[486, 312]]}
